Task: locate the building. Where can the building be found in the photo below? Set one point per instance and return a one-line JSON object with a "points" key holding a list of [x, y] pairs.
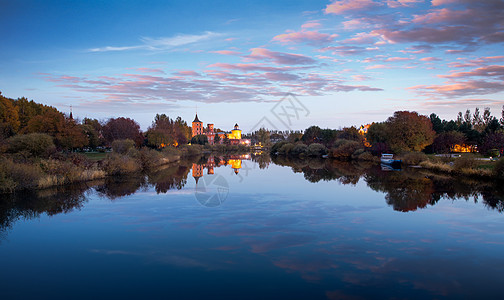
{"points": [[234, 136]]}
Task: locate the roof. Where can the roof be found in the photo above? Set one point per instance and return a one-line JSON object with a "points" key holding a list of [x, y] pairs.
{"points": [[196, 119]]}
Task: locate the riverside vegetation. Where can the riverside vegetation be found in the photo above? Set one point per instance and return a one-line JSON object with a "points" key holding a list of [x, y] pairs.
{"points": [[42, 147]]}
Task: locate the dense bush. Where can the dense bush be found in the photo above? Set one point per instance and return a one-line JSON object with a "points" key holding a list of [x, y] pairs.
{"points": [[464, 163], [285, 149], [276, 147], [32, 144], [122, 146], [345, 151], [117, 164], [413, 158], [316, 149], [366, 156], [298, 150], [17, 176], [499, 169], [150, 158]]}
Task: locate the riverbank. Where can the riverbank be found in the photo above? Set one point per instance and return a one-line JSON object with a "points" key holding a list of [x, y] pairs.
{"points": [[23, 171]]}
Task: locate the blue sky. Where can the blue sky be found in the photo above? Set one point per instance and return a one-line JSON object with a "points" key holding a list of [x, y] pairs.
{"points": [[348, 62]]}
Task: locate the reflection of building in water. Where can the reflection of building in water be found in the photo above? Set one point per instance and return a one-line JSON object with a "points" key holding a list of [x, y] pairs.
{"points": [[234, 136], [235, 164], [235, 161], [197, 171]]}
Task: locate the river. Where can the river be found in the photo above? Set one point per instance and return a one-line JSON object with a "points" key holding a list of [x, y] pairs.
{"points": [[248, 227]]}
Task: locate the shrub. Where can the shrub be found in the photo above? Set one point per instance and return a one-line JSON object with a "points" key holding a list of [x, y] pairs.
{"points": [[414, 158], [298, 150], [17, 176], [117, 164], [285, 149], [32, 144], [366, 156], [464, 163], [316, 149], [276, 147], [122, 146], [149, 158], [499, 169], [345, 151]]}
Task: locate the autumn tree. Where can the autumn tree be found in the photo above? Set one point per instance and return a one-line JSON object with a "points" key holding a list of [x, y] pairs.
{"points": [[9, 117], [165, 131], [66, 132], [121, 129], [408, 131]]}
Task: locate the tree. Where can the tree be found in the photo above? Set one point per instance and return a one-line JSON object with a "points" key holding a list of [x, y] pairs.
{"points": [[32, 144], [312, 134], [216, 138], [166, 132], [502, 116], [444, 142], [377, 133], [437, 124], [263, 136], [67, 134], [493, 141], [9, 118], [408, 131], [200, 139], [121, 129]]}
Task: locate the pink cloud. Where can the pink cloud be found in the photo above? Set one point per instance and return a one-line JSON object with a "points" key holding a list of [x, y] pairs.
{"points": [[227, 52], [430, 59], [487, 71], [311, 24], [280, 58], [392, 59], [347, 50], [149, 70], [187, 73], [343, 6], [361, 38], [472, 87], [308, 37], [378, 67], [400, 3]]}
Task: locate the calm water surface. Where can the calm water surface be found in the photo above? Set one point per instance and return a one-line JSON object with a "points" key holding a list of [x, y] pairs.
{"points": [[235, 228]]}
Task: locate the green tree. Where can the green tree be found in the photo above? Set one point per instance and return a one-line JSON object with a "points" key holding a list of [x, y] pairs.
{"points": [[312, 134], [263, 136], [200, 139]]}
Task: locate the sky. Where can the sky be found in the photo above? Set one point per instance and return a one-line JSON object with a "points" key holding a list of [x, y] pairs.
{"points": [[276, 64]]}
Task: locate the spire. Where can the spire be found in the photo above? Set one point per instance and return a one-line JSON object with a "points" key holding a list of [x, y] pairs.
{"points": [[71, 116], [196, 119]]}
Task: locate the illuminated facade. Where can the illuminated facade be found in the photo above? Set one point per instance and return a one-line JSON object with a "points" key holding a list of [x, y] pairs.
{"points": [[363, 130], [235, 136]]}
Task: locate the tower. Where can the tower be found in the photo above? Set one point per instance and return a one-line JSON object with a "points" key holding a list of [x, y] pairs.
{"points": [[197, 126]]}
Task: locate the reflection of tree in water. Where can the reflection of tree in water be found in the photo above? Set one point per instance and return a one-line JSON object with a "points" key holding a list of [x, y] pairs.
{"points": [[262, 159], [406, 190], [317, 169], [172, 177], [29, 205], [120, 186]]}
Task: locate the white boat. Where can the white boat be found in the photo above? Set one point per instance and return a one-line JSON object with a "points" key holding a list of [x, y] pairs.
{"points": [[388, 159]]}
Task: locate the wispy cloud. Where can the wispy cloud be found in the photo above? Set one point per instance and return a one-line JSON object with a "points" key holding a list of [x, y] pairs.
{"points": [[163, 43], [308, 37]]}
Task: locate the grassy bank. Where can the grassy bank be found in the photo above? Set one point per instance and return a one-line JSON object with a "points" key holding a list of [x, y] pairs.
{"points": [[22, 170]]}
